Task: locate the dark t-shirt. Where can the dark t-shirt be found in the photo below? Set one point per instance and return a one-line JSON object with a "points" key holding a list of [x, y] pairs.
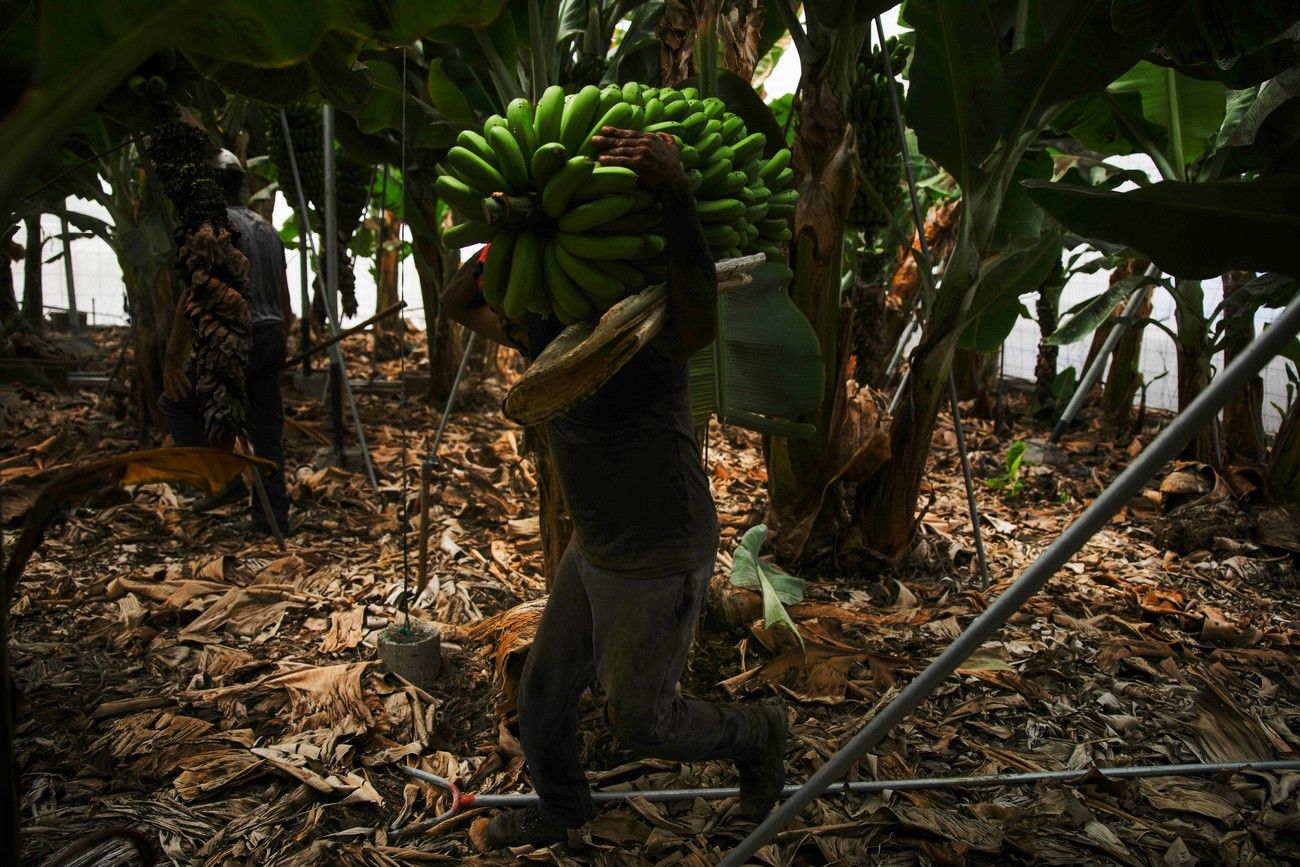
{"points": [[265, 251], [631, 470]]}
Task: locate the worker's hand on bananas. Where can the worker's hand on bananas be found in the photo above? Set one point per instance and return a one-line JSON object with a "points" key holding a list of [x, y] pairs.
{"points": [[656, 161], [570, 191]]}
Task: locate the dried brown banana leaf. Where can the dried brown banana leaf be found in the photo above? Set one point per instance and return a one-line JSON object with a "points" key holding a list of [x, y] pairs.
{"points": [[583, 358]]}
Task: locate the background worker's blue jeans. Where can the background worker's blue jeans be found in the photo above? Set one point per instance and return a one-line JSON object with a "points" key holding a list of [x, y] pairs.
{"points": [[633, 634], [265, 415]]}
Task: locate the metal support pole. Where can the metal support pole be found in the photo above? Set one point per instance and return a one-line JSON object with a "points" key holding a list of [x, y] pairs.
{"points": [[330, 284], [1163, 448], [904, 338], [426, 466], [980, 558], [74, 318], [336, 354], [1093, 373], [304, 318]]}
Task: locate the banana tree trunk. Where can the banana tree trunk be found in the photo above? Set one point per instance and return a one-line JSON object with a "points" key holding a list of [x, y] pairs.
{"points": [[433, 267], [9, 310], [825, 156], [1193, 348], [389, 262], [1125, 374], [1284, 462], [1048, 308], [33, 295], [678, 28], [151, 300], [886, 507], [1243, 427], [976, 377], [870, 349]]}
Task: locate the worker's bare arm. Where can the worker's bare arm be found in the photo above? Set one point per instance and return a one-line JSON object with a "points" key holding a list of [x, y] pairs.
{"points": [[462, 300]]}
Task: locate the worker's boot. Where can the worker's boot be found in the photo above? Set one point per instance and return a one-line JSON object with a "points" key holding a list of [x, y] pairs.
{"points": [[524, 827], [762, 770]]}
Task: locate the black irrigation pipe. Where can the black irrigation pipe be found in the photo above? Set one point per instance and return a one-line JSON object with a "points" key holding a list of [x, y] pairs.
{"points": [[1163, 448], [1078, 776], [973, 507]]}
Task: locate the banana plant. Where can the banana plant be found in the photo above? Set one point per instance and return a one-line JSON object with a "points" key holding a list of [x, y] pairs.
{"points": [[986, 83], [1205, 141], [801, 470], [1174, 119]]}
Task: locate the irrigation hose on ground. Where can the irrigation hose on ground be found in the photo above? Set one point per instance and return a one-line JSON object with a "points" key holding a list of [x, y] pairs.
{"points": [[1080, 776]]}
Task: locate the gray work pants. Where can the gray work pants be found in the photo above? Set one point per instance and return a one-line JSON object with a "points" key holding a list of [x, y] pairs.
{"points": [[265, 415], [633, 635]]}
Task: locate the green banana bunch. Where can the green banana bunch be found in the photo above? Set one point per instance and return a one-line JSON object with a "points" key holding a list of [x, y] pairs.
{"points": [[305, 129], [574, 237], [872, 115]]}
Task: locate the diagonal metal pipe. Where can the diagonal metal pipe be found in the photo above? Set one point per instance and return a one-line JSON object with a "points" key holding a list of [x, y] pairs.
{"points": [[1163, 448], [1093, 373], [336, 354]]}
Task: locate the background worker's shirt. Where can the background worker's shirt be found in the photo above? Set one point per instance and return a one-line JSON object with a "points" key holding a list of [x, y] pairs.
{"points": [[265, 251], [631, 470]]}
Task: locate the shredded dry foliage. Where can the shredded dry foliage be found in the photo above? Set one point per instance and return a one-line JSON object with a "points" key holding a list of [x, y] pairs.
{"points": [[183, 677]]}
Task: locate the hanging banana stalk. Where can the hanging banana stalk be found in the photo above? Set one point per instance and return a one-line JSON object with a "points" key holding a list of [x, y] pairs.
{"points": [[213, 271]]}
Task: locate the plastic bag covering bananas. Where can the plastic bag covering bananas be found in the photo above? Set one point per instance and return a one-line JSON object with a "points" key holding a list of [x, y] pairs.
{"points": [[212, 268], [573, 237], [872, 116]]}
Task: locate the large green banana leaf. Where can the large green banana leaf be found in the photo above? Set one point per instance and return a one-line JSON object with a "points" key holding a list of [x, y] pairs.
{"points": [[1143, 109], [82, 49], [1190, 230], [1200, 31], [1017, 269], [957, 98]]}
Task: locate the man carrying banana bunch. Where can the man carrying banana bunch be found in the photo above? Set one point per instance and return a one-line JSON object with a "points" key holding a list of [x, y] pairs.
{"points": [[629, 589]]}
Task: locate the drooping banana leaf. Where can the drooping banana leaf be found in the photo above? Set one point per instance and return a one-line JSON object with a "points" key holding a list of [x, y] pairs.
{"points": [[835, 13], [1176, 102], [1191, 230], [1199, 31], [1110, 123], [745, 103], [773, 363], [636, 58], [211, 469], [1089, 317], [957, 101], [1017, 270], [382, 109], [85, 48], [1020, 217], [1081, 53], [447, 97]]}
